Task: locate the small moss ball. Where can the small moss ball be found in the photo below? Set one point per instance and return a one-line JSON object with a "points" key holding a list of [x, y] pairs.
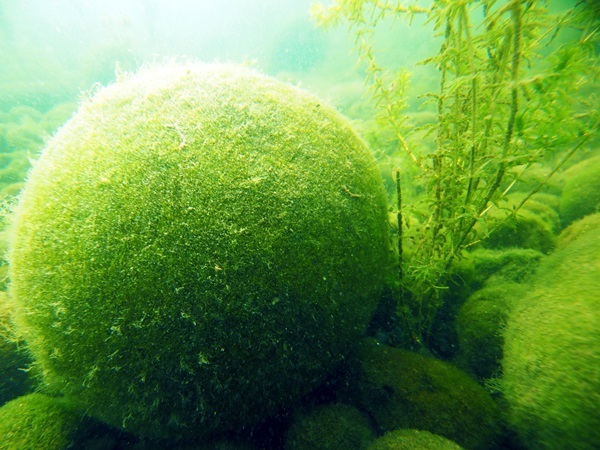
{"points": [[551, 359], [480, 323], [196, 248], [331, 427], [581, 194], [409, 439], [533, 226], [35, 421], [403, 389]]}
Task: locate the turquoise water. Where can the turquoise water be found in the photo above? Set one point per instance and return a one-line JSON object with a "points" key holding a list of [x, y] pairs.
{"points": [[486, 339]]}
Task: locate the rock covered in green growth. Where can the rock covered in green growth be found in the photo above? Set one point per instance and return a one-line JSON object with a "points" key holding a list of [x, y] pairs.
{"points": [[551, 359], [480, 325], [410, 439], [197, 247], [581, 193], [35, 421], [403, 389], [331, 427]]}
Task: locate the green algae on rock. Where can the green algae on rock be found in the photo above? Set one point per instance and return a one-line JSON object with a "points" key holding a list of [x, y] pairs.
{"points": [[551, 359], [197, 247]]}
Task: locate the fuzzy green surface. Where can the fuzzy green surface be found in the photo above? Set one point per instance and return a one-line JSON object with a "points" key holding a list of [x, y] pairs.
{"points": [[331, 427], [198, 246], [581, 194], [534, 226], [34, 422], [480, 324], [408, 439], [483, 266], [552, 351], [403, 389]]}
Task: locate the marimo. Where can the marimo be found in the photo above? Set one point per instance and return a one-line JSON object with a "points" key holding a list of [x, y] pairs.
{"points": [[197, 247]]}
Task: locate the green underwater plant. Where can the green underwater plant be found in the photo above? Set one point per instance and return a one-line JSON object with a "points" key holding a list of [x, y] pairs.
{"points": [[516, 88]]}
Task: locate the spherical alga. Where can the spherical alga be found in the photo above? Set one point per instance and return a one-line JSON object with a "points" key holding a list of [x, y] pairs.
{"points": [[551, 362], [197, 247]]}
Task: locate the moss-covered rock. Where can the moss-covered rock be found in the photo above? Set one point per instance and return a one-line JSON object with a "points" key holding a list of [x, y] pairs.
{"points": [[34, 422], [413, 440], [197, 247], [581, 193], [403, 389], [331, 427], [551, 359], [480, 326]]}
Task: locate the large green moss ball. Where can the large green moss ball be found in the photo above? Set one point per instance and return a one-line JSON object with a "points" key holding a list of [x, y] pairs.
{"points": [[198, 246], [552, 348]]}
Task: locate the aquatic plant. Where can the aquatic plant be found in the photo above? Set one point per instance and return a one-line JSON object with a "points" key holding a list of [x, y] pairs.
{"points": [[515, 89]]}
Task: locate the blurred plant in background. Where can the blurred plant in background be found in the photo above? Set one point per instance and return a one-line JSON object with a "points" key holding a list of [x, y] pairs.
{"points": [[517, 88]]}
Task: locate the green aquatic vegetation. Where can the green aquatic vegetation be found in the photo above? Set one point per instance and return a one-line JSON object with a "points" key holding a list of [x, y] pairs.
{"points": [[516, 88]]}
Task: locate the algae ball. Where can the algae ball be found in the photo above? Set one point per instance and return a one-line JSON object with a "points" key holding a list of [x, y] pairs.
{"points": [[35, 421], [410, 439], [404, 389], [197, 247], [552, 348], [330, 427]]}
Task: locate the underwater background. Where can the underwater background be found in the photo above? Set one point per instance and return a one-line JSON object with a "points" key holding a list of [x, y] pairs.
{"points": [[452, 298]]}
